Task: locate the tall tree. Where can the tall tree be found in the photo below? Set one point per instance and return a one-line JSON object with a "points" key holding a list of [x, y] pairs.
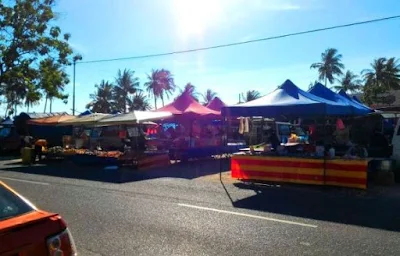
{"points": [[208, 96], [330, 65], [160, 84], [126, 84], [167, 84], [32, 98], [190, 89], [139, 101], [250, 95], [383, 76], [350, 82], [102, 99], [52, 80], [27, 37], [153, 87]]}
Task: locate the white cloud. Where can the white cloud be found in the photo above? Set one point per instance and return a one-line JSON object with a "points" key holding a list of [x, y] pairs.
{"points": [[78, 48]]}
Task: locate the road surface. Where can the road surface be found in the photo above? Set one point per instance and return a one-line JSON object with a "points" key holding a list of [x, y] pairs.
{"points": [[170, 214]]}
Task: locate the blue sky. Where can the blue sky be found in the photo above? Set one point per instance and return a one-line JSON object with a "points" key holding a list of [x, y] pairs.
{"points": [[103, 29]]}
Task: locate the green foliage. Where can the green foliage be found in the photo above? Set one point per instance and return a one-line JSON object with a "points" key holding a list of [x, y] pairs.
{"points": [[139, 102], [208, 96], [160, 84], [102, 99], [190, 89], [31, 49], [330, 65], [118, 97], [126, 84], [383, 76], [350, 82], [250, 95]]}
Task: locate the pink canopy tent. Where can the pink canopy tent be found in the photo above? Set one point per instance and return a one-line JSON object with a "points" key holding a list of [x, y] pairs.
{"points": [[186, 106], [216, 104]]}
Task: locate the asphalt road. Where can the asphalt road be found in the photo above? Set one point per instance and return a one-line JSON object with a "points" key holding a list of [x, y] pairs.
{"points": [[189, 212]]}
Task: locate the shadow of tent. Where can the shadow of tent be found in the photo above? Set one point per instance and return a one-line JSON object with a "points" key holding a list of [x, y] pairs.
{"points": [[187, 170], [376, 212]]}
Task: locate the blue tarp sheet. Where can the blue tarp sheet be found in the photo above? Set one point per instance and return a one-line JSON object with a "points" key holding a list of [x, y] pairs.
{"points": [[287, 100], [324, 92]]}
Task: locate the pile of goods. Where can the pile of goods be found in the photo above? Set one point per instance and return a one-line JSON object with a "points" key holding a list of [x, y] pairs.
{"points": [[55, 151], [115, 154], [293, 138]]}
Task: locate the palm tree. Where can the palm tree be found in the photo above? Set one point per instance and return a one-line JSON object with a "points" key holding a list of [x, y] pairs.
{"points": [[350, 82], [153, 86], [126, 83], [52, 81], [160, 84], [329, 66], [208, 96], [383, 76], [250, 95], [168, 85], [139, 102], [32, 97], [102, 99], [190, 89]]}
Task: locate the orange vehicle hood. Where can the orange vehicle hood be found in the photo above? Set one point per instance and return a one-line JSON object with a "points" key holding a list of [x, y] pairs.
{"points": [[26, 234]]}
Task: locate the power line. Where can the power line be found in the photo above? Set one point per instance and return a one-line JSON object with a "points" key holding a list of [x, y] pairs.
{"points": [[243, 42]]}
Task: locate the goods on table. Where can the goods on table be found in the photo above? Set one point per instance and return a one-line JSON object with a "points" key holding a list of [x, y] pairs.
{"points": [[115, 154], [55, 150], [69, 152]]}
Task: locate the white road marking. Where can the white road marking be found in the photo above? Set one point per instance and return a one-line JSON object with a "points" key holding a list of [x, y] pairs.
{"points": [[26, 181], [248, 215]]}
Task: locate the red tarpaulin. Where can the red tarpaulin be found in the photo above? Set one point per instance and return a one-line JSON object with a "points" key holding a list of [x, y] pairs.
{"points": [[216, 104], [187, 106]]}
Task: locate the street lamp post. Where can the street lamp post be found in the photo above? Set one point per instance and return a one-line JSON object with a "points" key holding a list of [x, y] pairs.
{"points": [[76, 58]]}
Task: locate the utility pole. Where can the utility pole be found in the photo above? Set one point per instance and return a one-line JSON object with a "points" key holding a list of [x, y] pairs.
{"points": [[76, 58]]}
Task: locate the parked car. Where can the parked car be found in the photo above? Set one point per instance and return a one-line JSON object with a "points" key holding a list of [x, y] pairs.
{"points": [[26, 230]]}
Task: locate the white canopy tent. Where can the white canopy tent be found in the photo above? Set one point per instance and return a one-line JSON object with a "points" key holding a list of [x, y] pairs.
{"points": [[134, 117], [89, 120]]}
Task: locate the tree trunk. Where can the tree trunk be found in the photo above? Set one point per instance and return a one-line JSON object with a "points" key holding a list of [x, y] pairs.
{"points": [[155, 102], [162, 100], [45, 105], [27, 108], [51, 105], [325, 81]]}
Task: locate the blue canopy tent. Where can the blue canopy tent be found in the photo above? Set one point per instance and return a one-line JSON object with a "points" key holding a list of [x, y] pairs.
{"points": [[324, 92], [288, 100], [344, 94]]}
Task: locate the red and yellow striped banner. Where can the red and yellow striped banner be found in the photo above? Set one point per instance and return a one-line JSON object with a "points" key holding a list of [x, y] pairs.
{"points": [[347, 173]]}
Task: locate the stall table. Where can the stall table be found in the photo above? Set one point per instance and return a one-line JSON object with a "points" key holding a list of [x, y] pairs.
{"points": [[317, 171]]}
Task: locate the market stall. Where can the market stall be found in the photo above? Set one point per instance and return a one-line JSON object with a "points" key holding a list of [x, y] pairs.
{"points": [[300, 159], [140, 150], [198, 132]]}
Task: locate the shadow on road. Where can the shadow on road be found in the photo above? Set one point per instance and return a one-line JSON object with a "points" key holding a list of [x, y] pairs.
{"points": [[187, 170], [330, 204]]}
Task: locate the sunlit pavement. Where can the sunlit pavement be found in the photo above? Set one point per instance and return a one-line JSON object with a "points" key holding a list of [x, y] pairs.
{"points": [[189, 211]]}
